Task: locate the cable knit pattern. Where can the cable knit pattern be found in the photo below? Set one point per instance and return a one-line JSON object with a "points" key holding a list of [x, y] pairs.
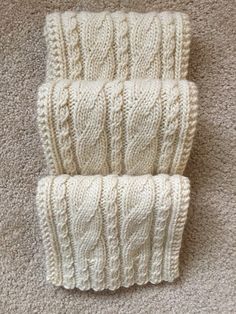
{"points": [[119, 226], [135, 230], [96, 43], [180, 220], [61, 219], [145, 44], [89, 126], [117, 119], [134, 127], [121, 29], [111, 230], [114, 93], [74, 64], [168, 44], [170, 97], [62, 115], [87, 227], [143, 112], [163, 203], [177, 218], [46, 128], [93, 46], [50, 239], [192, 96]]}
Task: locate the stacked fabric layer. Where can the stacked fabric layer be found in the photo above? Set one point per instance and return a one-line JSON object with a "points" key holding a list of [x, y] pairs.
{"points": [[93, 46], [117, 119], [111, 231], [134, 127]]}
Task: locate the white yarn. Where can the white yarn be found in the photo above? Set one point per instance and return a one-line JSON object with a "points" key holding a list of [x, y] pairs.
{"points": [[106, 232], [131, 127], [117, 120], [93, 46]]}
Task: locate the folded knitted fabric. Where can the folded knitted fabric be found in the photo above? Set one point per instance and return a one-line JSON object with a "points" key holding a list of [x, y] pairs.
{"points": [[123, 127], [106, 232], [92, 46]]}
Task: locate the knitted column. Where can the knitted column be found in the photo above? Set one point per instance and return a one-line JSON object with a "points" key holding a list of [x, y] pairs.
{"points": [[134, 127], [106, 232], [117, 119], [93, 46]]}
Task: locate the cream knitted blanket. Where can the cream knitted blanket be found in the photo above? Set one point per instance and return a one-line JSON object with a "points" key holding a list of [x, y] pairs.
{"points": [[106, 232], [93, 46], [117, 119], [134, 127]]}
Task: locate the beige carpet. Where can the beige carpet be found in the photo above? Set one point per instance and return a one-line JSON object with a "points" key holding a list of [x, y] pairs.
{"points": [[208, 258]]}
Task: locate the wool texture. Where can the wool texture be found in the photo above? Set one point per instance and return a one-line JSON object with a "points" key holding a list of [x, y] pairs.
{"points": [[124, 127], [106, 232], [117, 119], [118, 45], [208, 253]]}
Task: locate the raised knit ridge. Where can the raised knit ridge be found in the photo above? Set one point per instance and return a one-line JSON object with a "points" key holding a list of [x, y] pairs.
{"points": [[134, 127], [96, 43], [170, 98], [145, 34], [118, 226], [143, 115], [64, 237], [163, 203], [111, 222], [74, 63], [62, 115], [46, 127], [87, 226], [187, 139], [89, 126], [50, 239], [180, 221], [135, 230], [186, 39], [104, 45], [168, 45], [122, 57], [117, 120], [56, 58]]}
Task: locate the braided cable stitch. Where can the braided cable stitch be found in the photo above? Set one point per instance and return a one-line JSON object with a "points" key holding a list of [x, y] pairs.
{"points": [[63, 125], [70, 28], [111, 233], [118, 45], [135, 127], [49, 235], [116, 118]]}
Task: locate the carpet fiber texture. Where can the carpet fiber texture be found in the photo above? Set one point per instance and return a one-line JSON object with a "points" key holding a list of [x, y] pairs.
{"points": [[207, 282]]}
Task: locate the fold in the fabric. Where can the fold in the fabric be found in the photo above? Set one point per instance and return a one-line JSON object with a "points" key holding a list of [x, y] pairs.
{"points": [[107, 232], [122, 127], [118, 45]]}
